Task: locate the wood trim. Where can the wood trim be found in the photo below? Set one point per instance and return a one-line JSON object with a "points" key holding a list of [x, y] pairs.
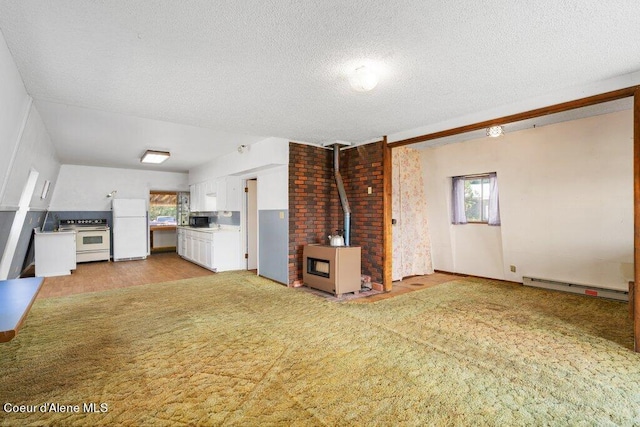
{"points": [[636, 217], [558, 108], [463, 275], [387, 241], [538, 112], [632, 291], [17, 297]]}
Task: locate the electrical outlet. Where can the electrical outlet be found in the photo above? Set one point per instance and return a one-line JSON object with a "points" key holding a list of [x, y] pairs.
{"points": [[369, 190], [513, 268]]}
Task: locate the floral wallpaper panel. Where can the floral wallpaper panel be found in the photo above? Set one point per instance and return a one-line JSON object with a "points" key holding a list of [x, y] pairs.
{"points": [[411, 240]]}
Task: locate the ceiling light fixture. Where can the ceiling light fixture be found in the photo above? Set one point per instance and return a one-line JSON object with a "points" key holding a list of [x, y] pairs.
{"points": [[495, 131], [363, 79], [155, 157]]}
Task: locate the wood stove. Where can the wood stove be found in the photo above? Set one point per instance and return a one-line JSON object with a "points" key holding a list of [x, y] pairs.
{"points": [[334, 269]]}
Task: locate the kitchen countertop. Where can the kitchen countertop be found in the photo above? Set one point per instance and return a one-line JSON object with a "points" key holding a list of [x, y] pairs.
{"points": [[211, 229], [39, 231]]}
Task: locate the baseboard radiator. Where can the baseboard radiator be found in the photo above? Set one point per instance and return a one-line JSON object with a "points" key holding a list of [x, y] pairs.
{"points": [[576, 289]]}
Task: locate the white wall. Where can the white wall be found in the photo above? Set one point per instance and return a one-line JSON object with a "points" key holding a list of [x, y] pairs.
{"points": [[265, 160], [14, 106], [84, 188], [566, 203], [35, 151], [24, 146], [273, 188], [17, 117]]}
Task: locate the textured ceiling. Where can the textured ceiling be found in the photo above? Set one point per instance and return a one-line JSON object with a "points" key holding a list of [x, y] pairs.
{"points": [[280, 68]]}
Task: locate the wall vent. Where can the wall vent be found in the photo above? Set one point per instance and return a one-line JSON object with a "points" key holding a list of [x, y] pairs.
{"points": [[576, 288]]}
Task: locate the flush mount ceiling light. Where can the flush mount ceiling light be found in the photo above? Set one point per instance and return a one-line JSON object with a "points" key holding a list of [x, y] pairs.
{"points": [[155, 157], [495, 131], [363, 79]]}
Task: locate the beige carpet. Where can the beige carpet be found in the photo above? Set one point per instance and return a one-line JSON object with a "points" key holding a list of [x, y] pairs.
{"points": [[236, 349]]}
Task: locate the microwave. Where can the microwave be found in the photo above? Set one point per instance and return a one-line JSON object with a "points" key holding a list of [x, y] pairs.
{"points": [[199, 221]]}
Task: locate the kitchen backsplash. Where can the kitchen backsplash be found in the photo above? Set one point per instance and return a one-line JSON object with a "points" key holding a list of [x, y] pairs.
{"points": [[221, 218], [53, 218], [234, 219]]}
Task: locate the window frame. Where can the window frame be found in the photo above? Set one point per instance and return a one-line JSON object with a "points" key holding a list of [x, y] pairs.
{"points": [[480, 176]]}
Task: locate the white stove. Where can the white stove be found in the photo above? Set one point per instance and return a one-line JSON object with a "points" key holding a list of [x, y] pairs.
{"points": [[93, 238]]}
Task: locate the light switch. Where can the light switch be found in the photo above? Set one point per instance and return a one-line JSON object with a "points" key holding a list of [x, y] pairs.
{"points": [[281, 215], [369, 190]]}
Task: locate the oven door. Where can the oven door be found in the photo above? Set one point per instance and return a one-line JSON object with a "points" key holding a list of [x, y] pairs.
{"points": [[92, 240]]}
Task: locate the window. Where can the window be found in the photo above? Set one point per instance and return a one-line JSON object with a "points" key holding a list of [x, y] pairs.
{"points": [[475, 199], [163, 207]]}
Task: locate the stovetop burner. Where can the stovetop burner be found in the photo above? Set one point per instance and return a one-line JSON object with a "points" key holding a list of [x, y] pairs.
{"points": [[83, 224]]}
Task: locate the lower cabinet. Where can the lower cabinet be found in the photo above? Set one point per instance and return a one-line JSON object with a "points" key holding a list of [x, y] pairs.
{"points": [[55, 253], [214, 250]]}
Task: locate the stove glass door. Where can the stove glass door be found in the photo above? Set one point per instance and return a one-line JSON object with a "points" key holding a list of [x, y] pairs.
{"points": [[93, 240]]}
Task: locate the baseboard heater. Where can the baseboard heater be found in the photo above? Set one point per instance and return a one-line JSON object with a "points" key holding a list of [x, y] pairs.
{"points": [[576, 289]]}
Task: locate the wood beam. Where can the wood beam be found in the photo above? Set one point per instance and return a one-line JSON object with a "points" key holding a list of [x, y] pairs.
{"points": [[386, 214], [636, 219], [538, 112]]}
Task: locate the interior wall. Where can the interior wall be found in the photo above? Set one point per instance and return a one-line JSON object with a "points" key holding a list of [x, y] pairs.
{"points": [[273, 223], [263, 155], [25, 252], [14, 105], [34, 151], [267, 161], [313, 202], [566, 203], [315, 208], [6, 220], [24, 145], [410, 229], [361, 169], [85, 188], [273, 185]]}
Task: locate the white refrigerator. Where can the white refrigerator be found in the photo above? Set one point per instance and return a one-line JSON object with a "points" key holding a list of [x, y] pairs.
{"points": [[130, 229]]}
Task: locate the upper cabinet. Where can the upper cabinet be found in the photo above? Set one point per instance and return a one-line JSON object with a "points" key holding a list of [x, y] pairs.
{"points": [[223, 194], [229, 193], [203, 197]]}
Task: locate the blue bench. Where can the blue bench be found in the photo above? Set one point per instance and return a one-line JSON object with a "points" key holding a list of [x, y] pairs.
{"points": [[16, 298]]}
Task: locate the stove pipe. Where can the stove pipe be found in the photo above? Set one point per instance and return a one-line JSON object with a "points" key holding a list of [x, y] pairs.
{"points": [[342, 193]]}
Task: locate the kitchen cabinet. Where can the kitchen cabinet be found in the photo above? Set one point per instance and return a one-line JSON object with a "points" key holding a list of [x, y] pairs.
{"points": [[194, 204], [55, 253], [216, 250], [229, 194], [203, 196], [211, 187]]}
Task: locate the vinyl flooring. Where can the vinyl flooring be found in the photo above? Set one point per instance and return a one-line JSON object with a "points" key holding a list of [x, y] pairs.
{"points": [[104, 275], [164, 267], [410, 284]]}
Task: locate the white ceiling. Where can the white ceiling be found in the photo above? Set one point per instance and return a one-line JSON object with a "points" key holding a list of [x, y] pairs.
{"points": [[201, 77], [537, 122]]}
